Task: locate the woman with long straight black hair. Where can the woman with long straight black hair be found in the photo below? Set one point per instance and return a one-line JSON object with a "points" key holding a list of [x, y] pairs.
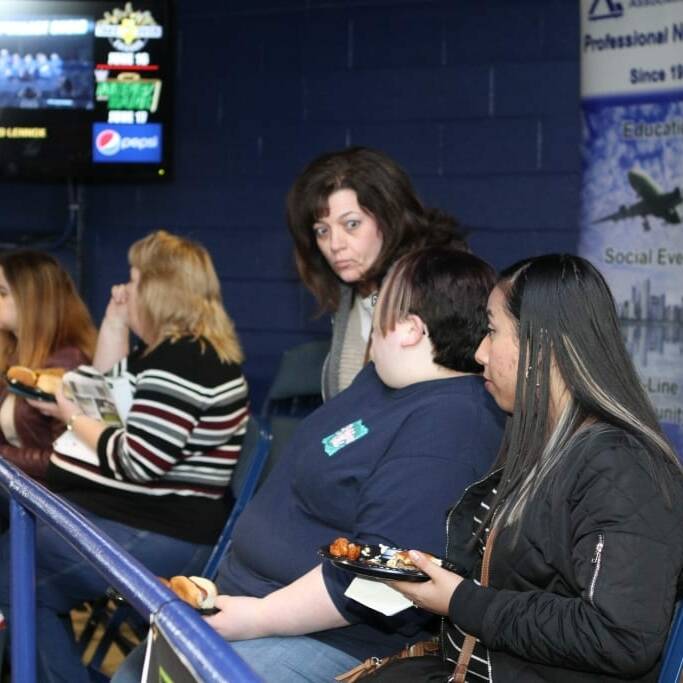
{"points": [[577, 534]]}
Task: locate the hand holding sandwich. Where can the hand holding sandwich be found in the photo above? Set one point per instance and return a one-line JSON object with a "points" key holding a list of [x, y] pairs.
{"points": [[301, 607]]}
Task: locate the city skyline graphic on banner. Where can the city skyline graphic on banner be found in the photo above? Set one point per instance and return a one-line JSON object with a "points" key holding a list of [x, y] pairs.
{"points": [[631, 216]]}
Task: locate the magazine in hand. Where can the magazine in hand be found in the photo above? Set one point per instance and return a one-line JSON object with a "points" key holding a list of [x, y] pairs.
{"points": [[102, 398]]}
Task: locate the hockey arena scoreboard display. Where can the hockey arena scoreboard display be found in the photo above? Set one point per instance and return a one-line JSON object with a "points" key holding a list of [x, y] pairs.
{"points": [[85, 89]]}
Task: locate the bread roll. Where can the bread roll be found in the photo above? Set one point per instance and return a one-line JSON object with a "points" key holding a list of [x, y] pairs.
{"points": [[45, 379], [196, 591], [54, 372], [48, 383], [19, 373]]}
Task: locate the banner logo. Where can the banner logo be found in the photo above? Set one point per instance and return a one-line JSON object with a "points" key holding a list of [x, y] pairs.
{"points": [[605, 9], [127, 29], [127, 143], [108, 142]]}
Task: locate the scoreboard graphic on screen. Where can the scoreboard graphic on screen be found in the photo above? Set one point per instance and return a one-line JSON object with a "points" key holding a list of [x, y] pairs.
{"points": [[85, 89]]}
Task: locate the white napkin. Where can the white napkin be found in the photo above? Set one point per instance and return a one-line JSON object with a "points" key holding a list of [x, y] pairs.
{"points": [[378, 596]]}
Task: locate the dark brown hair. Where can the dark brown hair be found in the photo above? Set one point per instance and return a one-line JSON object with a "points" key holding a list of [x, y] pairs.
{"points": [[385, 191], [448, 289]]}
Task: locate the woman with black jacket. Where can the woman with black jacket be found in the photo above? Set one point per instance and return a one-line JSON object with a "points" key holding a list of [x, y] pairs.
{"points": [[580, 525]]}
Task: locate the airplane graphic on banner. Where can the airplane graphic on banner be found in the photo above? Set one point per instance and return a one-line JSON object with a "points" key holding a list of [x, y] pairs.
{"points": [[653, 202]]}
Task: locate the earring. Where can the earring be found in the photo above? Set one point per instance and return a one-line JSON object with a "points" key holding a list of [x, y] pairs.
{"points": [[528, 370]]}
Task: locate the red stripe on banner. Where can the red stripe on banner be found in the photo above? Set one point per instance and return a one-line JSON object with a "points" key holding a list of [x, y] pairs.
{"points": [[128, 67]]}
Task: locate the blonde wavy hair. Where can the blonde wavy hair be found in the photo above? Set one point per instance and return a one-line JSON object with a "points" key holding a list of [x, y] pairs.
{"points": [[50, 313], [179, 294]]}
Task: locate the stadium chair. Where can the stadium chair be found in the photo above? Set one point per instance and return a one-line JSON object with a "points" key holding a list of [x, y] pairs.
{"points": [[255, 452], [245, 481], [672, 659], [294, 393]]}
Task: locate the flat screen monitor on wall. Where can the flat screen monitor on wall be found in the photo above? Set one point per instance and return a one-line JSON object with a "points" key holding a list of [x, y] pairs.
{"points": [[85, 89]]}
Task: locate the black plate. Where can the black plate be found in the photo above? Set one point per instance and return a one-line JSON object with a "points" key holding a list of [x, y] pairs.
{"points": [[374, 567], [26, 391]]}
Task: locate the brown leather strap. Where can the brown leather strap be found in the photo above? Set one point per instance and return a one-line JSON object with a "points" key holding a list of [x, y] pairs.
{"points": [[369, 666], [467, 649]]}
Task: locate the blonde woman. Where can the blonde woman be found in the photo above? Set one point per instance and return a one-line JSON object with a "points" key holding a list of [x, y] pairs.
{"points": [[159, 485], [43, 324]]}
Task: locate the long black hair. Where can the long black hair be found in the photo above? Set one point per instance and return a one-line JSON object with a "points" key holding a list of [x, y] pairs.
{"points": [[567, 324]]}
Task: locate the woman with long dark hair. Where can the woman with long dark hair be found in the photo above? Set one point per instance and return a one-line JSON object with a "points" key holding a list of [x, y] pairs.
{"points": [[577, 534], [352, 214]]}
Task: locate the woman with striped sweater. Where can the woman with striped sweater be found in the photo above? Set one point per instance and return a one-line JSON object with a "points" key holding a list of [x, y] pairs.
{"points": [[158, 485]]}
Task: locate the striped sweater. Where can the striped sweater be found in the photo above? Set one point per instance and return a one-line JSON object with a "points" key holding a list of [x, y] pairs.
{"points": [[170, 466]]}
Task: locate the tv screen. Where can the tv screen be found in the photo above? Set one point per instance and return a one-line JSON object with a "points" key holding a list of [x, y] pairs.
{"points": [[85, 89]]}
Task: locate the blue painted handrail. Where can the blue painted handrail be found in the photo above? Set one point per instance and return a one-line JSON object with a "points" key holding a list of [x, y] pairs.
{"points": [[211, 658], [672, 659]]}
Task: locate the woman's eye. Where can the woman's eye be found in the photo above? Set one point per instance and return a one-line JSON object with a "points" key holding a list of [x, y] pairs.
{"points": [[320, 231], [490, 331], [352, 224]]}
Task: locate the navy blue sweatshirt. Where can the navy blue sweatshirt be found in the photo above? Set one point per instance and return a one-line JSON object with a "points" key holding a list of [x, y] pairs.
{"points": [[376, 464]]}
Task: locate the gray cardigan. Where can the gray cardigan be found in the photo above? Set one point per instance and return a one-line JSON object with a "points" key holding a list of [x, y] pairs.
{"points": [[340, 321]]}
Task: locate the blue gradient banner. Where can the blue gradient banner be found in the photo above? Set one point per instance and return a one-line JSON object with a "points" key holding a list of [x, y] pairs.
{"points": [[632, 203]]}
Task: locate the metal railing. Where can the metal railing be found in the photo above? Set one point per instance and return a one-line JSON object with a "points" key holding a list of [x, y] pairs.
{"points": [[209, 656]]}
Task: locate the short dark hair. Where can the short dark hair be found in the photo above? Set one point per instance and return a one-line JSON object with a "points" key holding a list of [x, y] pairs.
{"points": [[448, 289], [385, 191]]}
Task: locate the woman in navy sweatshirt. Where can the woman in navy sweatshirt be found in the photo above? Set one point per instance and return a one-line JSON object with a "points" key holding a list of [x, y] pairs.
{"points": [[380, 462]]}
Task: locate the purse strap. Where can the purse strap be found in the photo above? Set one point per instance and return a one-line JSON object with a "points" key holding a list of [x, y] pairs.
{"points": [[467, 649]]}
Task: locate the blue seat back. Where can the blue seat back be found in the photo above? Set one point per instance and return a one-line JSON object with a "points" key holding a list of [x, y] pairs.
{"points": [[294, 393], [672, 659], [245, 479]]}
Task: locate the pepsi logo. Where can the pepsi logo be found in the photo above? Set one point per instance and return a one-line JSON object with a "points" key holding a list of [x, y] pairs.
{"points": [[108, 142]]}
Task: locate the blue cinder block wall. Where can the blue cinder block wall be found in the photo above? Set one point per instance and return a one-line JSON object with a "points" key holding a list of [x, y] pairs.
{"points": [[478, 99]]}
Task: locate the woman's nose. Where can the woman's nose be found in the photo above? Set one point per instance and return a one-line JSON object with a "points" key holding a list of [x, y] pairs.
{"points": [[337, 239], [481, 355]]}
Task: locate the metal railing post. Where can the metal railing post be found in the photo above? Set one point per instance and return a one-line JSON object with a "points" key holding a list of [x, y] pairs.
{"points": [[23, 593], [208, 656]]}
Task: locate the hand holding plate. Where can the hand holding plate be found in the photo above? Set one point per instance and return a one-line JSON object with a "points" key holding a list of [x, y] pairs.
{"points": [[433, 595], [48, 408]]}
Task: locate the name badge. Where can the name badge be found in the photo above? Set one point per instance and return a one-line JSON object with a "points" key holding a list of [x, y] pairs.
{"points": [[344, 436]]}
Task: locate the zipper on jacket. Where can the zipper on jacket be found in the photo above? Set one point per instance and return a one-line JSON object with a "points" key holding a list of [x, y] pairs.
{"points": [[444, 619], [596, 561]]}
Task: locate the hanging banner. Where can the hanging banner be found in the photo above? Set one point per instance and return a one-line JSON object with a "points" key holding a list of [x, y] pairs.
{"points": [[632, 147]]}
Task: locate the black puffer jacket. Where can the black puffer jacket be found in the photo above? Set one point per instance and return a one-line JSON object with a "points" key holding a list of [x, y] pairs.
{"points": [[587, 592]]}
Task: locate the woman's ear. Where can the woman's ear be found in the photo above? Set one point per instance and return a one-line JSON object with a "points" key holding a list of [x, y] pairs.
{"points": [[413, 330]]}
